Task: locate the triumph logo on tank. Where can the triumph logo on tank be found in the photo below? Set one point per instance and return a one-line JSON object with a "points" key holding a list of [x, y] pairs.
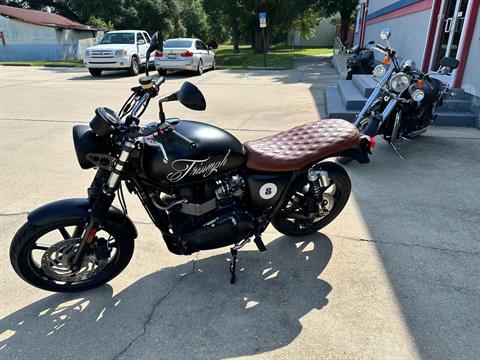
{"points": [[188, 167]]}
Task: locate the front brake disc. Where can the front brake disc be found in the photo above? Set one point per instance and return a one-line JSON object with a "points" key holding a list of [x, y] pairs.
{"points": [[57, 259]]}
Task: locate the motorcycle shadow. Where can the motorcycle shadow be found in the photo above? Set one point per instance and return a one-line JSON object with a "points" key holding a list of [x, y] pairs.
{"points": [[186, 311]]}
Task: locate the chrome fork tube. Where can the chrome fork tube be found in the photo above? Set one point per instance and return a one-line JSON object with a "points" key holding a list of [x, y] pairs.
{"points": [[101, 205], [388, 109], [114, 178], [374, 95]]}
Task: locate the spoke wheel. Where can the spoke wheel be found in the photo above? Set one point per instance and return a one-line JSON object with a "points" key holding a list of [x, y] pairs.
{"points": [[43, 255], [293, 219]]}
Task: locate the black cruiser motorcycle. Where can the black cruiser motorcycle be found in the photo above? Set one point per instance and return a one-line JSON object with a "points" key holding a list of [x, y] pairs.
{"points": [[362, 60], [404, 102], [201, 187]]}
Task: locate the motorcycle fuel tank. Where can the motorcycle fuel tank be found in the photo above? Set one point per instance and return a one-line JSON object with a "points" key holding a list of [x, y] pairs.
{"points": [[217, 152]]}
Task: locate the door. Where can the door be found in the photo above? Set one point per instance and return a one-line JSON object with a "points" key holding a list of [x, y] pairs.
{"points": [[142, 47], [451, 26], [205, 54]]}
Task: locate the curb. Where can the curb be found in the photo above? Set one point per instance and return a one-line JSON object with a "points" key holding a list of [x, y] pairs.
{"points": [[266, 68], [46, 65], [61, 65], [16, 64]]}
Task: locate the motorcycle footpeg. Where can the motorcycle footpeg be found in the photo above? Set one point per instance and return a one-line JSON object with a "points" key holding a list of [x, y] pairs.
{"points": [[260, 245]]}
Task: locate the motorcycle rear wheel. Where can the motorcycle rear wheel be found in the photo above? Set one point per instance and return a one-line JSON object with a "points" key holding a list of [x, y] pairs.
{"points": [[39, 259], [337, 199]]}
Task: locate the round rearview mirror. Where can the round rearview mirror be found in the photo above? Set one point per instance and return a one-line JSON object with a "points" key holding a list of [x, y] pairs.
{"points": [[385, 34]]}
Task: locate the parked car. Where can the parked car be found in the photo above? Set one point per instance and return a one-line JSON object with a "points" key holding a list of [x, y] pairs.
{"points": [[124, 49], [185, 54]]}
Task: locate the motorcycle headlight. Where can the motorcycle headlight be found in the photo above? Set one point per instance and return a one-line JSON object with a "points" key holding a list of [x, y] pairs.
{"points": [[121, 52], [400, 82], [418, 95], [379, 71]]}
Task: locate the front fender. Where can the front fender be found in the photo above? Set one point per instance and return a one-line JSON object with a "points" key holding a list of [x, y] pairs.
{"points": [[74, 209]]}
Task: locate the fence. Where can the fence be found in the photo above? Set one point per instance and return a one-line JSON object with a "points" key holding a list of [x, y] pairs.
{"points": [[340, 57]]}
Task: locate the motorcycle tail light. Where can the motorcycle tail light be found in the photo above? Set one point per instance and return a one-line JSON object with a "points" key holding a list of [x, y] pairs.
{"points": [[420, 84], [158, 54], [372, 142], [187, 54], [386, 60]]}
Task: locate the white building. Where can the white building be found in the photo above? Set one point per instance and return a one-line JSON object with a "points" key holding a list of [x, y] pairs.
{"points": [[37, 35], [324, 36], [427, 30]]}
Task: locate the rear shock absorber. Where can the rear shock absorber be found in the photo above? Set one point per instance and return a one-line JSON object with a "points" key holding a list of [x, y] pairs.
{"points": [[318, 180]]}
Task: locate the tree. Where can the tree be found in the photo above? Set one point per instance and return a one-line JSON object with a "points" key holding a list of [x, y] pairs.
{"points": [[98, 23], [231, 13], [346, 10], [195, 19], [150, 15], [281, 16], [307, 22], [153, 15]]}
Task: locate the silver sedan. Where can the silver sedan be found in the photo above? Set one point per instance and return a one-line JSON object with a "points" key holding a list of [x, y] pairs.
{"points": [[184, 54]]}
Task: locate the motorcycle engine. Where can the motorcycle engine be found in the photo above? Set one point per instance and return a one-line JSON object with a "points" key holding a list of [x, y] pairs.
{"points": [[211, 215]]}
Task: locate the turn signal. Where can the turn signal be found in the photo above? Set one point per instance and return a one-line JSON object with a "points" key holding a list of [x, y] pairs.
{"points": [[386, 60], [187, 54], [158, 54], [420, 84]]}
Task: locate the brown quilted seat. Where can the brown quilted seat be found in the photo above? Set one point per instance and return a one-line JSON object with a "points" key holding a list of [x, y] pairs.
{"points": [[296, 148]]}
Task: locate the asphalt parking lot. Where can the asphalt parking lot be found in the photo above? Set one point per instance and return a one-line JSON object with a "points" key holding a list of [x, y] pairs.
{"points": [[395, 276]]}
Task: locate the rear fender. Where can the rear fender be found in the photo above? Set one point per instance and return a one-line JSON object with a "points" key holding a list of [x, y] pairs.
{"points": [[361, 152], [357, 154], [74, 209]]}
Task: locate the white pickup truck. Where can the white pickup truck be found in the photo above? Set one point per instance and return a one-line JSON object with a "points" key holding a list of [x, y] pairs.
{"points": [[125, 49]]}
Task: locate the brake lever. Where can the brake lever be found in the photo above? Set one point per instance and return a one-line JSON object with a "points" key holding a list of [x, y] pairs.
{"points": [[159, 145]]}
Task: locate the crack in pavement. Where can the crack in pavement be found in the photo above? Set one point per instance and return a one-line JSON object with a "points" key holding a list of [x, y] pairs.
{"points": [[154, 308], [409, 245], [15, 214]]}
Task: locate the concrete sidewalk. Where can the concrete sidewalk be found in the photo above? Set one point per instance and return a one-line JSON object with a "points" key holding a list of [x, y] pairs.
{"points": [[394, 277]]}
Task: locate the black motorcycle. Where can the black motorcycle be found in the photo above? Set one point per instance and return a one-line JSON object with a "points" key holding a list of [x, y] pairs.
{"points": [[200, 186], [404, 102], [362, 60]]}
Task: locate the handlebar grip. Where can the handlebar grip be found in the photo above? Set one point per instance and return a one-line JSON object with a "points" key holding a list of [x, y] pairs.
{"points": [[192, 145], [160, 80]]}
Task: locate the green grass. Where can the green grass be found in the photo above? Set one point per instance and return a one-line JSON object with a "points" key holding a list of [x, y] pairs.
{"points": [[277, 57], [73, 63]]}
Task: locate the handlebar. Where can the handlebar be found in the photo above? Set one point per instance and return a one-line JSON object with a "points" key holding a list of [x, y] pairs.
{"points": [[160, 80], [381, 48], [148, 91]]}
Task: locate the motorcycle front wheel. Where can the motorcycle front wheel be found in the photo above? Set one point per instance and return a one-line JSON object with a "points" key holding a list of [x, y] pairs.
{"points": [[335, 198], [42, 255]]}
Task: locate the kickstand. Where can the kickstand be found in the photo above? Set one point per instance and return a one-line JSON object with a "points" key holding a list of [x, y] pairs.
{"points": [[397, 151], [233, 265]]}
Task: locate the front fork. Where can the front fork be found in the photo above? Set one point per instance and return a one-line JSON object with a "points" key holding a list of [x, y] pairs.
{"points": [[102, 204]]}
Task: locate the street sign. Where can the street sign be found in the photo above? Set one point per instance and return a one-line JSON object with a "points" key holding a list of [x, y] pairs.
{"points": [[263, 19]]}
